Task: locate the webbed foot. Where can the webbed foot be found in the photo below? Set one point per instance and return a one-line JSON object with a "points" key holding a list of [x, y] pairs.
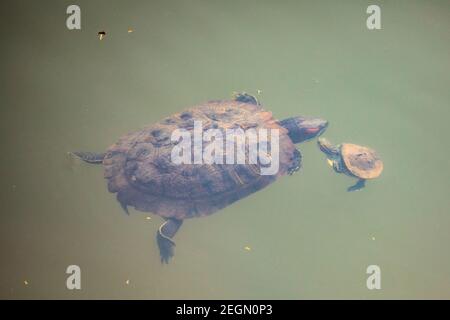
{"points": [[165, 247], [245, 97], [361, 183], [164, 238], [296, 163]]}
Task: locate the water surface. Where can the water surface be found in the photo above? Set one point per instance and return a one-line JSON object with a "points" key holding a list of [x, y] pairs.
{"points": [[66, 90]]}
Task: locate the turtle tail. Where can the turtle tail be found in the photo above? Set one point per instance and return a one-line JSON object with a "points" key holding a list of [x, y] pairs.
{"points": [[89, 157]]}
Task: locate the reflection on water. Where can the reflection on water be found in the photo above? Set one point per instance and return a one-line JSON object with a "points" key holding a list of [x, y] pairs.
{"points": [[302, 237]]}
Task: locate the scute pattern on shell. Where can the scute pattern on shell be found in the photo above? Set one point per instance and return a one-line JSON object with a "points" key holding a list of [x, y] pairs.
{"points": [[139, 167], [361, 161]]}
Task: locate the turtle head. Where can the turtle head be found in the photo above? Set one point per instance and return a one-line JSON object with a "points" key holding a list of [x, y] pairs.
{"points": [[302, 128], [326, 147]]}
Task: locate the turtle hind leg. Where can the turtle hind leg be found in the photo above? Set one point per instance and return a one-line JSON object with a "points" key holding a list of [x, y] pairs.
{"points": [[89, 157], [164, 238], [361, 183]]}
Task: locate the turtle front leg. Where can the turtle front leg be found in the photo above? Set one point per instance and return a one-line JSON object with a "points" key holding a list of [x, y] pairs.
{"points": [[164, 238], [361, 183], [296, 162]]}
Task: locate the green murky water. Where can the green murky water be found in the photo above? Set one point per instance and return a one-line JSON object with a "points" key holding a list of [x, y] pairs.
{"points": [[66, 90]]}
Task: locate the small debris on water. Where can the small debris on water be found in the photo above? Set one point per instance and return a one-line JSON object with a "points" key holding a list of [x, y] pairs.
{"points": [[130, 30], [259, 91], [330, 163], [25, 282], [373, 238], [101, 34], [148, 218], [127, 282], [247, 248]]}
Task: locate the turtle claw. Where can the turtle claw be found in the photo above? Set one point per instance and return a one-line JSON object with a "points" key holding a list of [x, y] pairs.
{"points": [[361, 183], [123, 203], [125, 208], [293, 170], [296, 162], [165, 248], [164, 238], [245, 97], [353, 189]]}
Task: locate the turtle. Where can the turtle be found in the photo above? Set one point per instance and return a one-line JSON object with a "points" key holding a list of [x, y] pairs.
{"points": [[141, 172], [353, 160]]}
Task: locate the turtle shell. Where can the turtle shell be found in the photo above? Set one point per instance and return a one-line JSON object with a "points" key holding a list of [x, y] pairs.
{"points": [[139, 168], [361, 161]]}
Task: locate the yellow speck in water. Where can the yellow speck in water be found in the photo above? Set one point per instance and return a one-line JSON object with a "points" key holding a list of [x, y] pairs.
{"points": [[247, 248], [148, 218], [130, 30], [373, 238], [25, 282], [101, 34], [127, 282], [259, 91], [330, 163]]}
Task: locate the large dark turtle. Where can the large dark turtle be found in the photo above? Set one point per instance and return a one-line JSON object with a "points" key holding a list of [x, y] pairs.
{"points": [[353, 160], [140, 171]]}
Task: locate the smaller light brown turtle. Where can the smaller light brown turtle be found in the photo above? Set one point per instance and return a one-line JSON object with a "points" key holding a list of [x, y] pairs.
{"points": [[353, 160]]}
